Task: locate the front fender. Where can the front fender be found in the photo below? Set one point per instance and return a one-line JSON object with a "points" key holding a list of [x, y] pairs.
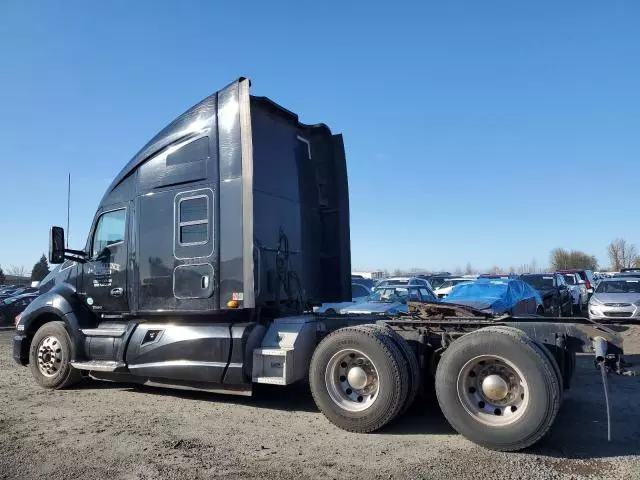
{"points": [[61, 303]]}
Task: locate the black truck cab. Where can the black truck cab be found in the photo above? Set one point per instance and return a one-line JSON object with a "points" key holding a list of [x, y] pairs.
{"points": [[234, 214], [206, 256]]}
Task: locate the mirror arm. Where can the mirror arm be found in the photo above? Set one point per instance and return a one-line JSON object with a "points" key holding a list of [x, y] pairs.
{"points": [[80, 253]]}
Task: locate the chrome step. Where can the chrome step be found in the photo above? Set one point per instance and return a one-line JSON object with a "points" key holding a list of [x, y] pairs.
{"points": [[103, 332], [98, 365]]}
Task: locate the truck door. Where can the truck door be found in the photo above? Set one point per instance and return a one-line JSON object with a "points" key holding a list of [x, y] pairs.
{"points": [[105, 273]]}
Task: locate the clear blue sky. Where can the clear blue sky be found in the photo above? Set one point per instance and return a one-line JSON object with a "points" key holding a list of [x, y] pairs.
{"points": [[488, 132]]}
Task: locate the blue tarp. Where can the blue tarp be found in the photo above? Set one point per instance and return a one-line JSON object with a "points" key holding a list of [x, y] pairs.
{"points": [[496, 295]]}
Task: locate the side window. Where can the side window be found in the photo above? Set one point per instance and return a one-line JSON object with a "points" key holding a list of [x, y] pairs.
{"points": [[193, 220], [109, 231], [427, 295], [193, 223]]}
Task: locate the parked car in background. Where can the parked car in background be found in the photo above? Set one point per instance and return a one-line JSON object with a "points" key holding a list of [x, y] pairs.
{"points": [[17, 291], [497, 296], [436, 280], [556, 297], [616, 299], [586, 276], [578, 292], [392, 299], [443, 290], [402, 281], [6, 288], [502, 276], [628, 273], [12, 306], [367, 282], [630, 270], [359, 294]]}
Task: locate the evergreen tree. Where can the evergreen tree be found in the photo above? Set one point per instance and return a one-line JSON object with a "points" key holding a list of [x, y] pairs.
{"points": [[40, 269]]}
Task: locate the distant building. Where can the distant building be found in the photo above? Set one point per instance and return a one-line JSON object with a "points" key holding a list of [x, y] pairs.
{"points": [[13, 280], [374, 275]]}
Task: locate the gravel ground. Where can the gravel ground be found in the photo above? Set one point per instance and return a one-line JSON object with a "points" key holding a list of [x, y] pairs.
{"points": [[102, 430]]}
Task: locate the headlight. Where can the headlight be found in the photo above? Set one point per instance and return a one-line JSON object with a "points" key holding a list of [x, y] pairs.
{"points": [[594, 301]]}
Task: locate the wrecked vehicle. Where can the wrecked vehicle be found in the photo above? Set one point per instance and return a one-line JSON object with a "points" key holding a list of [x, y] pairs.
{"points": [[497, 296]]}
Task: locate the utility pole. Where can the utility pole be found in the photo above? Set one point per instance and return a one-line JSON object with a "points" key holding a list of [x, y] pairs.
{"points": [[68, 206]]}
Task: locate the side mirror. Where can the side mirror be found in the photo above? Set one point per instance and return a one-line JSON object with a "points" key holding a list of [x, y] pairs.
{"points": [[56, 245]]}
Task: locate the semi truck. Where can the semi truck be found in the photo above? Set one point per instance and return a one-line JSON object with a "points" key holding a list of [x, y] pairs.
{"points": [[203, 263]]}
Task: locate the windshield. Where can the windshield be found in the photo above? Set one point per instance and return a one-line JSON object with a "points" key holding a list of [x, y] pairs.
{"points": [[402, 295], [541, 282], [383, 294], [436, 282], [570, 279], [619, 286]]}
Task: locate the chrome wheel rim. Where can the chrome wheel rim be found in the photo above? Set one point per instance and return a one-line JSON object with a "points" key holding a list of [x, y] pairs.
{"points": [[493, 390], [49, 356], [352, 380]]}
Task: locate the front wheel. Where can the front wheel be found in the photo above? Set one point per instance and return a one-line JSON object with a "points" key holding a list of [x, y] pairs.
{"points": [[50, 357]]}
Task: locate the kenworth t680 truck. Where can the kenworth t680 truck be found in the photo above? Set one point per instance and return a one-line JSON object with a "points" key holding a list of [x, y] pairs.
{"points": [[206, 256]]}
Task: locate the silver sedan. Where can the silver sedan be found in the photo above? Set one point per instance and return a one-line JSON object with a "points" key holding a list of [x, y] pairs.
{"points": [[616, 299]]}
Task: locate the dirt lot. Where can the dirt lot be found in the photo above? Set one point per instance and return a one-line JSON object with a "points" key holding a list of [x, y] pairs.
{"points": [[102, 430]]}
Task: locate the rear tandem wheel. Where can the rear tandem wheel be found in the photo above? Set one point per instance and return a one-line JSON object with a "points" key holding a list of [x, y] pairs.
{"points": [[498, 389], [359, 379]]}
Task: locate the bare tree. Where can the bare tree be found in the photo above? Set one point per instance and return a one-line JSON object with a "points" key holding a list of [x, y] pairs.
{"points": [[17, 271], [469, 270], [457, 271], [622, 254], [562, 259]]}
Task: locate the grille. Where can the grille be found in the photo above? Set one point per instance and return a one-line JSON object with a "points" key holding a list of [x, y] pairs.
{"points": [[617, 304], [617, 314]]}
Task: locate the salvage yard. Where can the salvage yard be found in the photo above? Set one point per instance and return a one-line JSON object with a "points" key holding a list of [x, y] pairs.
{"points": [[101, 430]]}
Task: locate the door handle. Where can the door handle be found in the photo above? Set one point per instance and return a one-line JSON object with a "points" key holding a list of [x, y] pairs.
{"points": [[116, 292], [204, 282]]}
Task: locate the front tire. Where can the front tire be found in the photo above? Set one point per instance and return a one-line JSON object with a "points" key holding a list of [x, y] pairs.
{"points": [[50, 357], [498, 390], [358, 379]]}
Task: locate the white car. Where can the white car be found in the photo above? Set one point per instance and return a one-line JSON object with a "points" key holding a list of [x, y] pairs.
{"points": [[445, 289], [359, 294], [578, 292]]}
